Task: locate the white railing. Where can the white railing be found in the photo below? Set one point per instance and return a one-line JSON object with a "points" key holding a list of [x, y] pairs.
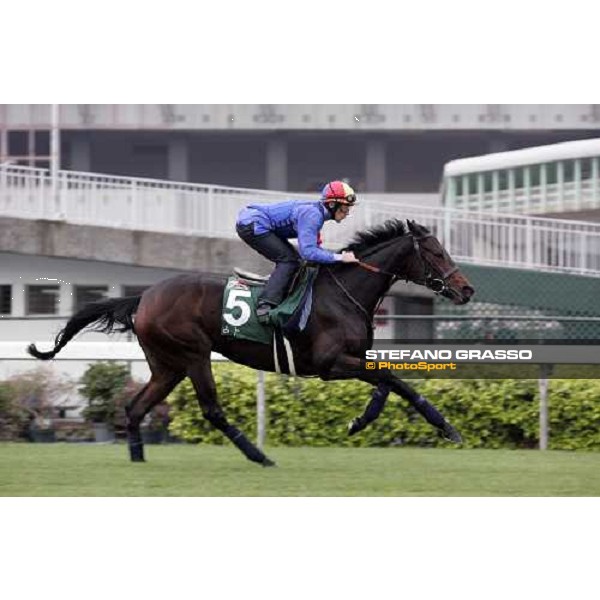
{"points": [[139, 203], [505, 240], [124, 202], [487, 238]]}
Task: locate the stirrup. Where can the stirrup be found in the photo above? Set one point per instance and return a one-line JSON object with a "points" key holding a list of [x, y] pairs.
{"points": [[263, 311]]}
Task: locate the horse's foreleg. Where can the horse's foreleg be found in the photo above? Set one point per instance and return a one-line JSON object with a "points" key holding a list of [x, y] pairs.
{"points": [[372, 410], [206, 392], [345, 368], [429, 412], [348, 367]]}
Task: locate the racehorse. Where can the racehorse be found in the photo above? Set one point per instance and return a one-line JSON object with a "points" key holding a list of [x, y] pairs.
{"points": [[178, 325]]}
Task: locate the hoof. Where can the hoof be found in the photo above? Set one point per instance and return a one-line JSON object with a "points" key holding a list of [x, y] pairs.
{"points": [[355, 426], [451, 434], [136, 453], [268, 463]]}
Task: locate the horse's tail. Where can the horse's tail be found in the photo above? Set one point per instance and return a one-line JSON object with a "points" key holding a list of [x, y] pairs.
{"points": [[105, 314]]}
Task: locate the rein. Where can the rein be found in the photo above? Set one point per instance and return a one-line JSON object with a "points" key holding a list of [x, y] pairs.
{"points": [[374, 269]]}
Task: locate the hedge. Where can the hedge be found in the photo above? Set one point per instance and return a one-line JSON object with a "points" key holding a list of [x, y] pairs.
{"points": [[310, 412]]}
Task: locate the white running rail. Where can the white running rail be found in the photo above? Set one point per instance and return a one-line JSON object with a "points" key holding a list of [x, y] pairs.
{"points": [[485, 238], [516, 241]]}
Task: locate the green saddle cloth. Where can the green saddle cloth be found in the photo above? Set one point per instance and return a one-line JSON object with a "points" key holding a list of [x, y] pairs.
{"points": [[239, 308]]}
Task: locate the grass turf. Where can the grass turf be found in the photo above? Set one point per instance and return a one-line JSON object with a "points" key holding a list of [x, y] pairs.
{"points": [[185, 470]]}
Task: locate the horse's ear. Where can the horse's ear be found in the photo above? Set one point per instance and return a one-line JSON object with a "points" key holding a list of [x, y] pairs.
{"points": [[411, 225]]}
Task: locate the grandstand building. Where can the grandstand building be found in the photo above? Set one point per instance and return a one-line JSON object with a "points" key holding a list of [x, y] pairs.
{"points": [[289, 147]]}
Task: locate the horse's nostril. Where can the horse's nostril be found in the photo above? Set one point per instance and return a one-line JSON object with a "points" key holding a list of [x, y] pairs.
{"points": [[467, 291]]}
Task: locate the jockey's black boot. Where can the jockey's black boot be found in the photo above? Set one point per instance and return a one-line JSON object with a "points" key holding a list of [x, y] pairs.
{"points": [[275, 289]]}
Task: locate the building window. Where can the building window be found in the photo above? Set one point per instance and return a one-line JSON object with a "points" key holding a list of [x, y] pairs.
{"points": [[84, 294], [42, 299], [134, 290], [5, 300]]}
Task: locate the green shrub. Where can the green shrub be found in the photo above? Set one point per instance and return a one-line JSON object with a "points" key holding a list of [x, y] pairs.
{"points": [[311, 412], [101, 383], [108, 388]]}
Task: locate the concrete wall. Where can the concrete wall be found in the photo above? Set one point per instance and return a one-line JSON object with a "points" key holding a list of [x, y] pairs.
{"points": [[137, 248]]}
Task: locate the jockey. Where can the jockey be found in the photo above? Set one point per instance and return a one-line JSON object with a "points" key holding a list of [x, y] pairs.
{"points": [[267, 227]]}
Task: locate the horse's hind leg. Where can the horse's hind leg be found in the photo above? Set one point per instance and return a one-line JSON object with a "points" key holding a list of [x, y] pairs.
{"points": [[157, 389], [206, 392]]}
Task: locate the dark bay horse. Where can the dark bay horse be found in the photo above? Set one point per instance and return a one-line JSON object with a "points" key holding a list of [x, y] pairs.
{"points": [[178, 325]]}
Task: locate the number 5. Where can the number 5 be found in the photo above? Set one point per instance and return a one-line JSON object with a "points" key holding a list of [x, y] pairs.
{"points": [[235, 300]]}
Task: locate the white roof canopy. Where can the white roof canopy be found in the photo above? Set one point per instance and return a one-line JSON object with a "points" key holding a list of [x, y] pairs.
{"points": [[522, 158]]}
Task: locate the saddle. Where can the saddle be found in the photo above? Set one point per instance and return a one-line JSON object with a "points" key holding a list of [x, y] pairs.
{"points": [[250, 278]]}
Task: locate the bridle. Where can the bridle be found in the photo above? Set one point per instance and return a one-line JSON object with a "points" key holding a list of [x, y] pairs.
{"points": [[436, 282]]}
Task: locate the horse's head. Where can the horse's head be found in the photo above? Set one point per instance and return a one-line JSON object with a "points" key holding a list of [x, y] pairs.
{"points": [[433, 267], [410, 251]]}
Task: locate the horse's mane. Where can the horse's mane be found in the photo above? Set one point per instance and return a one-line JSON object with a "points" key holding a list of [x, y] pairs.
{"points": [[365, 240]]}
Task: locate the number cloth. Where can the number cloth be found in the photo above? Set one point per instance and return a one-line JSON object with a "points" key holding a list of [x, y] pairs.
{"points": [[239, 309]]}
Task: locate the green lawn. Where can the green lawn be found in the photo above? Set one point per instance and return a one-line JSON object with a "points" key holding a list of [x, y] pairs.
{"points": [[185, 470]]}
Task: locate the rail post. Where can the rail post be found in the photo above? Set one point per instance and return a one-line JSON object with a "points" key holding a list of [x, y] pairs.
{"points": [[260, 410], [545, 371], [57, 197]]}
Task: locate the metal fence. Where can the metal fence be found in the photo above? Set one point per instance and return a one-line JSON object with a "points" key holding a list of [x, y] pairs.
{"points": [[492, 326]]}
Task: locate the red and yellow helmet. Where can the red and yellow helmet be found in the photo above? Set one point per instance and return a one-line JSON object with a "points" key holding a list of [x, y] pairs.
{"points": [[340, 192]]}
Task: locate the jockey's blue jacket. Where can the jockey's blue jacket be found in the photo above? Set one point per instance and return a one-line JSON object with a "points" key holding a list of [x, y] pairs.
{"points": [[295, 218]]}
